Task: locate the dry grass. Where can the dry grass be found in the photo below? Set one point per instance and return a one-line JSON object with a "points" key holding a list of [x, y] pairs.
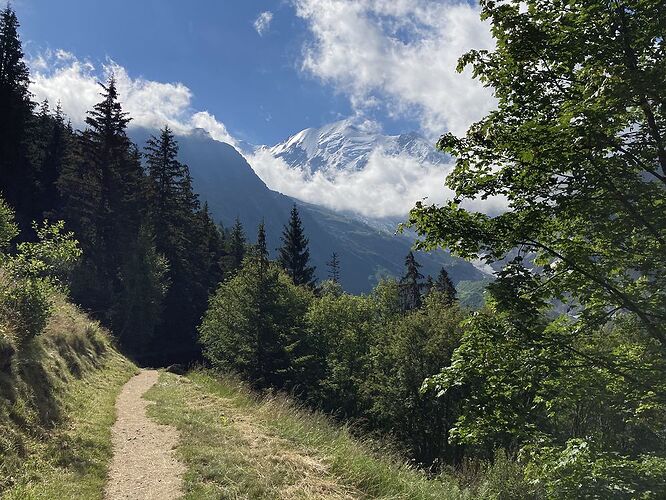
{"points": [[239, 446]]}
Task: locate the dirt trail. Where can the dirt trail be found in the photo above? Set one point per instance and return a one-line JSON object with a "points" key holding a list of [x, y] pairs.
{"points": [[144, 466]]}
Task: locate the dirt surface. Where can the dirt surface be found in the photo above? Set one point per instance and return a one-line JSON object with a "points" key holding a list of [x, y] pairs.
{"points": [[144, 466]]}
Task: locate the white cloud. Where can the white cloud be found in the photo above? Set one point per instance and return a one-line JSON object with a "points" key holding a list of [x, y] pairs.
{"points": [[263, 22], [63, 55], [402, 53], [387, 186], [60, 76]]}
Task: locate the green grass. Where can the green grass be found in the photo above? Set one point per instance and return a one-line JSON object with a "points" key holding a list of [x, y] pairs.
{"points": [[237, 445], [56, 411]]}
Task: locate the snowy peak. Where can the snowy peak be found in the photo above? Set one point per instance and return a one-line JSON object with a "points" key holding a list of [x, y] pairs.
{"points": [[347, 145]]}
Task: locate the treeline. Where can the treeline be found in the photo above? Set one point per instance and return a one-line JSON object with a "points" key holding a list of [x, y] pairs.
{"points": [[361, 358], [505, 390], [151, 252]]}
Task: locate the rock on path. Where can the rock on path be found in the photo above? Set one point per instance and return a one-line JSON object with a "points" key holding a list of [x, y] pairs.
{"points": [[144, 466]]}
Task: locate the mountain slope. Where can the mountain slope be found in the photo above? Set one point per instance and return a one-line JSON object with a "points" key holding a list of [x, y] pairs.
{"points": [[224, 179], [350, 166]]}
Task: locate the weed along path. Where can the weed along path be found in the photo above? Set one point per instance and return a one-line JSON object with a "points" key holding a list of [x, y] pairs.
{"points": [[144, 466]]}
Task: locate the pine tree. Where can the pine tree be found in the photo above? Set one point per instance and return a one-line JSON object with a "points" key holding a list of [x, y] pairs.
{"points": [[236, 247], [294, 254], [214, 245], [193, 244], [445, 286], [114, 164], [261, 248], [101, 186], [57, 138], [144, 283], [168, 194], [411, 285], [429, 285], [16, 106], [268, 348], [334, 268]]}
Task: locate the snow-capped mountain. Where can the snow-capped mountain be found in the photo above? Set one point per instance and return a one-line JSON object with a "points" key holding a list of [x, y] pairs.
{"points": [[347, 145], [352, 168]]}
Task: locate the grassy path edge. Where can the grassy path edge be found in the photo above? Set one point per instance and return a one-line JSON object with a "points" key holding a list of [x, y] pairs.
{"points": [[237, 445], [73, 462]]}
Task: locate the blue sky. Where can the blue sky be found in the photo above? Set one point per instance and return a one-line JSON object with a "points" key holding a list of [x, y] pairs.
{"points": [[255, 84], [388, 65]]}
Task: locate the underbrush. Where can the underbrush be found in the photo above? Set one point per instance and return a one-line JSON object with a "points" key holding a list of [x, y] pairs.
{"points": [[57, 392]]}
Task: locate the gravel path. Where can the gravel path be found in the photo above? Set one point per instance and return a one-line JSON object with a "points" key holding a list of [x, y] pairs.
{"points": [[144, 466]]}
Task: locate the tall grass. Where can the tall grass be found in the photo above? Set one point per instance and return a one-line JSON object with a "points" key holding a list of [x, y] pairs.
{"points": [[237, 444], [56, 408]]}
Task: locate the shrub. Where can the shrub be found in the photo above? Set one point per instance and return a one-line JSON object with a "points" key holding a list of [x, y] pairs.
{"points": [[8, 229], [582, 469], [25, 306], [30, 277]]}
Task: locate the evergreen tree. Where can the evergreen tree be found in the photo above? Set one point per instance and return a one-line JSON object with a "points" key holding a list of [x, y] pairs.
{"points": [[101, 186], [113, 161], [214, 247], [255, 326], [16, 106], [189, 239], [236, 247], [429, 285], [411, 285], [261, 248], [170, 213], [270, 354], [57, 136], [334, 268], [294, 254], [144, 284], [445, 286], [168, 194]]}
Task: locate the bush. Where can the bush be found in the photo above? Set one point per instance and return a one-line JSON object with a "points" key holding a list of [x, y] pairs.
{"points": [[8, 229], [30, 277], [505, 478], [25, 306], [582, 469]]}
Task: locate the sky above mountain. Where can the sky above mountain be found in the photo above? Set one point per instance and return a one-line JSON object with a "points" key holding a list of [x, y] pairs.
{"points": [[260, 71], [264, 69]]}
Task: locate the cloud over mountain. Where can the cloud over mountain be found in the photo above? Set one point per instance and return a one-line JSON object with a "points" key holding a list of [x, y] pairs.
{"points": [[61, 77], [351, 166], [348, 166], [402, 54]]}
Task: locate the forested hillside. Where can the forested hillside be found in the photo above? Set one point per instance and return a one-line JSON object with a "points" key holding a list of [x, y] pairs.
{"points": [[225, 180], [553, 386]]}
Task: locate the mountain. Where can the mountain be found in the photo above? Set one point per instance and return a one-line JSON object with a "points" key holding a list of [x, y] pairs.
{"points": [[346, 145], [224, 179], [350, 166]]}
